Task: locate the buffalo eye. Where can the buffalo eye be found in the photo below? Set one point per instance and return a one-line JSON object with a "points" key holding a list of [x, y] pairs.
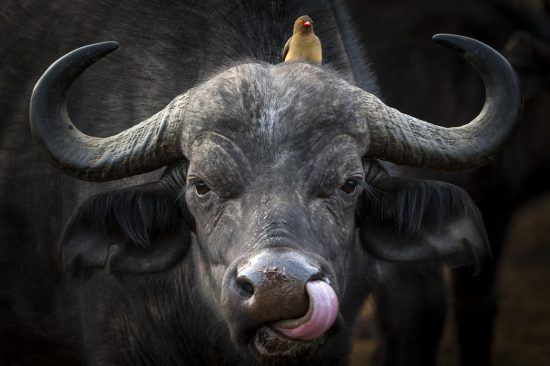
{"points": [[201, 188], [349, 187]]}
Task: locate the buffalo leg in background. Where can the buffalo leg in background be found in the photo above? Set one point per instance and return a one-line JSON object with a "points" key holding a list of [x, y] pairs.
{"points": [[410, 318], [475, 297], [523, 35], [475, 310]]}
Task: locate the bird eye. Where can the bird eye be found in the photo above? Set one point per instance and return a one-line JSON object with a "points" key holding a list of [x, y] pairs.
{"points": [[349, 187], [201, 188]]}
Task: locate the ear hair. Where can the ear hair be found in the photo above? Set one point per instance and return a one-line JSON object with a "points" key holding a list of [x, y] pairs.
{"points": [[133, 230], [136, 213], [421, 222], [409, 204]]}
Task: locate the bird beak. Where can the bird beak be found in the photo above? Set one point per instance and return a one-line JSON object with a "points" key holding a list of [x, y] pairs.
{"points": [[307, 24]]}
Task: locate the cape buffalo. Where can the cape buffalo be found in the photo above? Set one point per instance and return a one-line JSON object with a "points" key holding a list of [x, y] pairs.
{"points": [[272, 217]]}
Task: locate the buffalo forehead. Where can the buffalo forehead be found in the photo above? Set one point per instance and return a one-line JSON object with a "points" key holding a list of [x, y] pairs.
{"points": [[277, 107]]}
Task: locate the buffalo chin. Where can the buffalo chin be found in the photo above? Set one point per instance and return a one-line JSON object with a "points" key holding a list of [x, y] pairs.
{"points": [[273, 346]]}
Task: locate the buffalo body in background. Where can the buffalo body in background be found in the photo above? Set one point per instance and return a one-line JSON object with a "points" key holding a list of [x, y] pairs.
{"points": [[418, 79]]}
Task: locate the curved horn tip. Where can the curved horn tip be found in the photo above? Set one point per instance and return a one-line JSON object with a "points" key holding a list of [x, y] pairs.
{"points": [[109, 45], [100, 49], [67, 68], [442, 37], [113, 44], [91, 52], [467, 47], [453, 41]]}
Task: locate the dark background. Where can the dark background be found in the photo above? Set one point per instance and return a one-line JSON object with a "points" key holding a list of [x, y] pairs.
{"points": [[423, 79]]}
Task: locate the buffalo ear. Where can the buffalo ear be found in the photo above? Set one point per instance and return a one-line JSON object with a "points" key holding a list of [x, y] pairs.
{"points": [[421, 221], [134, 230]]}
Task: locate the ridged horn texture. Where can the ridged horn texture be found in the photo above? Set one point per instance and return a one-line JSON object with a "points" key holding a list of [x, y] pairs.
{"points": [[406, 140], [144, 147]]}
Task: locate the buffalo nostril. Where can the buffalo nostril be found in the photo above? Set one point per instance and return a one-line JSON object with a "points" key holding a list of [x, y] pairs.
{"points": [[245, 286]]}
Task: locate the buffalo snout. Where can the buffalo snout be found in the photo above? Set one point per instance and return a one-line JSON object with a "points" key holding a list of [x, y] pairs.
{"points": [[283, 290]]}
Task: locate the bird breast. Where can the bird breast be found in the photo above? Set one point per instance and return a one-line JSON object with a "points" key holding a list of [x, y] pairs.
{"points": [[305, 48]]}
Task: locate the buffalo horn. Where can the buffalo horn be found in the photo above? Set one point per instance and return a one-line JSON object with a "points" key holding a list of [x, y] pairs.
{"points": [[402, 139], [144, 147]]}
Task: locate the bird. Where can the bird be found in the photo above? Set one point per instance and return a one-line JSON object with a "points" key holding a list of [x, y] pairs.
{"points": [[304, 45]]}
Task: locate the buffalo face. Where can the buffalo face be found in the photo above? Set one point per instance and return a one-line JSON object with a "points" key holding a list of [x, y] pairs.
{"points": [[275, 205]]}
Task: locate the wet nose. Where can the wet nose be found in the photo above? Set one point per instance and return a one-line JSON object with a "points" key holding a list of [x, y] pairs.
{"points": [[272, 285]]}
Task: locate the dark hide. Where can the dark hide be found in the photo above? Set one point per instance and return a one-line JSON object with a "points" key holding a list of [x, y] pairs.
{"points": [[150, 293]]}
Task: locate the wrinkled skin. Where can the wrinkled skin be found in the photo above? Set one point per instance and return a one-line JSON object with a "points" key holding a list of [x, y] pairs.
{"points": [[272, 197]]}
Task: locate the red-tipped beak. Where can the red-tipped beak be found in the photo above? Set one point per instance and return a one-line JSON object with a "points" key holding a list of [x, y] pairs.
{"points": [[307, 24]]}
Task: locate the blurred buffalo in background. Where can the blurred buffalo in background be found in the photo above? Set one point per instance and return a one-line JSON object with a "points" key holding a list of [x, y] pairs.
{"points": [[424, 81]]}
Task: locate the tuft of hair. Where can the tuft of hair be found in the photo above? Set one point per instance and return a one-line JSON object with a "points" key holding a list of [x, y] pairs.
{"points": [[138, 213], [410, 204]]}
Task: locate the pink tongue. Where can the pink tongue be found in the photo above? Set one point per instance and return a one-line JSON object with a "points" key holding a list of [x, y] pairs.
{"points": [[325, 309]]}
